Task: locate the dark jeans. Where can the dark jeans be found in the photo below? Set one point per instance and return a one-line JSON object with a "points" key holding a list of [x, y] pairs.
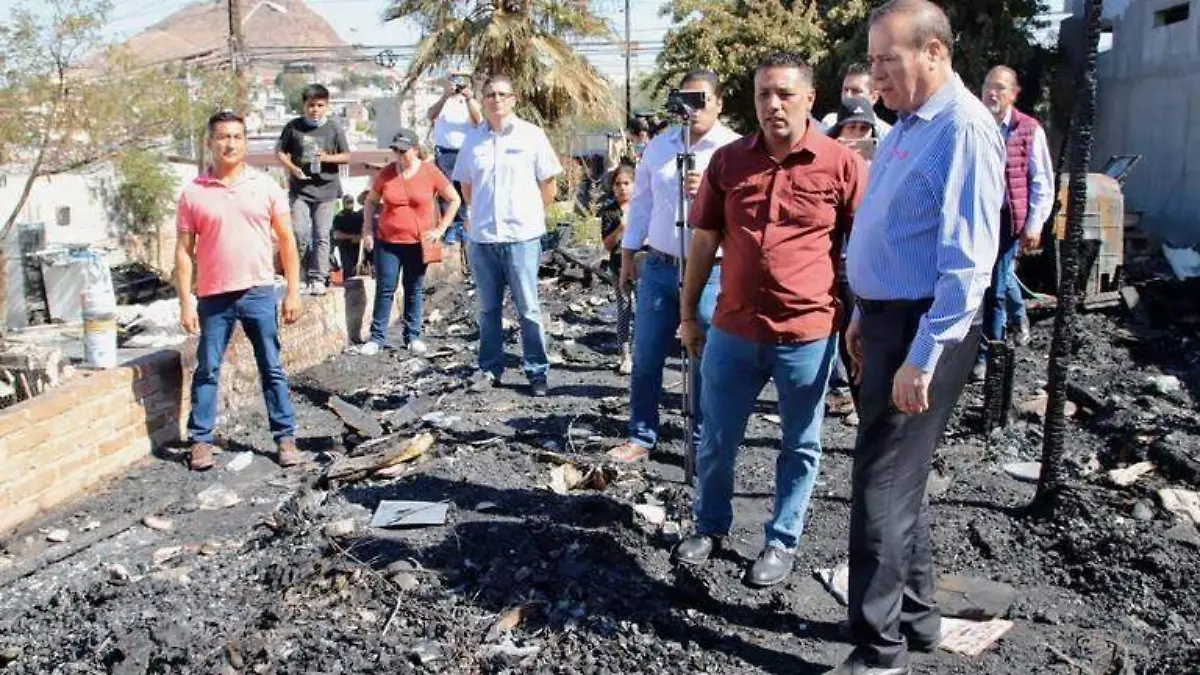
{"points": [[347, 256], [391, 260], [1002, 304], [891, 562], [255, 309], [445, 159], [841, 376]]}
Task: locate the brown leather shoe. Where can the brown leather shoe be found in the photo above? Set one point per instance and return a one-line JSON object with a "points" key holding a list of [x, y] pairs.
{"points": [[201, 456], [289, 454]]}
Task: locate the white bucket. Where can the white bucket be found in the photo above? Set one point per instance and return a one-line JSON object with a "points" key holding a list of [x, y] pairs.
{"points": [[100, 340], [99, 296]]}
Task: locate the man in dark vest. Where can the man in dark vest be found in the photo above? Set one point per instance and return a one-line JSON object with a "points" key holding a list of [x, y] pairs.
{"points": [[1028, 198]]}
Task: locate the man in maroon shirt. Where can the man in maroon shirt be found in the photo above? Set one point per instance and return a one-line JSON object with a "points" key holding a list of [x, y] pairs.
{"points": [[779, 203]]}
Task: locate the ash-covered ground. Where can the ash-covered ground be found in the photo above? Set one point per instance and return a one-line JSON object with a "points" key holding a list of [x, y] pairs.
{"points": [[522, 578]]}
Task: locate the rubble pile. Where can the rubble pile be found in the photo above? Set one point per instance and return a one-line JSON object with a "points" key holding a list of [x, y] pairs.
{"points": [[449, 527]]}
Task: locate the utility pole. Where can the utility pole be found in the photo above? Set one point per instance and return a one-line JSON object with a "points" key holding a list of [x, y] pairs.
{"points": [[235, 52], [628, 85]]}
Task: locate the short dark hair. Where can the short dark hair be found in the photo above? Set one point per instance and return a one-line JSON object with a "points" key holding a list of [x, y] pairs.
{"points": [[222, 117], [702, 75], [929, 22], [497, 78], [783, 59], [315, 92], [622, 167], [638, 125], [856, 69]]}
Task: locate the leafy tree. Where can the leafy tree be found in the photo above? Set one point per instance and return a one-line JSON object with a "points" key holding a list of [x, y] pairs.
{"points": [[292, 85], [68, 100], [527, 40], [729, 36], [145, 196]]}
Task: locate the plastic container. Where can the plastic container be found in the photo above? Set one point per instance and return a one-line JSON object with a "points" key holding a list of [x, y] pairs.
{"points": [[100, 340]]}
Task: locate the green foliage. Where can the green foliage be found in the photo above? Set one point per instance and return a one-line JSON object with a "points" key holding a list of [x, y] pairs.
{"points": [[292, 85], [527, 40], [145, 190], [730, 36], [352, 80]]}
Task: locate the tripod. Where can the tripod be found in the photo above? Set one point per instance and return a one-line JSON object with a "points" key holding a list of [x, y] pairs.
{"points": [[684, 163]]}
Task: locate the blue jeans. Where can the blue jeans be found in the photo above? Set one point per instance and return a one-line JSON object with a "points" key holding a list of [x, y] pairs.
{"points": [[255, 309], [390, 261], [1002, 304], [445, 159], [655, 321], [735, 372], [514, 265]]}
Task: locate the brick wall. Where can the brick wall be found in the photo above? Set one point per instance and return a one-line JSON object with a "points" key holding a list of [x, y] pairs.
{"points": [[57, 445]]}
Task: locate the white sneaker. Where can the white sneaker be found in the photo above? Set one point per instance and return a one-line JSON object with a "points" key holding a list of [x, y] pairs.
{"points": [[417, 347], [317, 288], [368, 348]]}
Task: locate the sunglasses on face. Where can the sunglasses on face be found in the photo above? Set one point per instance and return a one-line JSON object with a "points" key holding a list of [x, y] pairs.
{"points": [[498, 95]]}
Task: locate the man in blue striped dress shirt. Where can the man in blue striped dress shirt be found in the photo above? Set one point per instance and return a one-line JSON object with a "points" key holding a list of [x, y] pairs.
{"points": [[919, 260]]}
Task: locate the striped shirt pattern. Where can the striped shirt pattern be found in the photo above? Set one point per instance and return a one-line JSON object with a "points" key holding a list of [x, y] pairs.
{"points": [[929, 224]]}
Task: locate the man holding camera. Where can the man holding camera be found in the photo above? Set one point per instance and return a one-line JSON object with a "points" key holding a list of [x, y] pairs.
{"points": [[653, 221], [453, 115], [780, 203]]}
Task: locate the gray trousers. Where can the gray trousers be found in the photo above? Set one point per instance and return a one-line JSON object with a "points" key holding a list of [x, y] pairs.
{"points": [[313, 222], [892, 577]]}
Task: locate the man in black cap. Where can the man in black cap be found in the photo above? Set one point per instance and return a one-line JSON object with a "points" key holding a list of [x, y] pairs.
{"points": [[856, 126]]}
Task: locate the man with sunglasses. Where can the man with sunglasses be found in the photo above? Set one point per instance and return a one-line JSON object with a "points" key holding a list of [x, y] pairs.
{"points": [[507, 168]]}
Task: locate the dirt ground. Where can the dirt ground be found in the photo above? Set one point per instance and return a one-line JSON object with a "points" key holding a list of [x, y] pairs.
{"points": [[523, 579]]}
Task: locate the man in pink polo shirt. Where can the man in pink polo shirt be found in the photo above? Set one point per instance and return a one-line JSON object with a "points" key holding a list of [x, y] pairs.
{"points": [[229, 221]]}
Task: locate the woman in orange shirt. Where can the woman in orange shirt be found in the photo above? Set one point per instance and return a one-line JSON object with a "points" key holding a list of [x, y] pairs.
{"points": [[407, 190]]}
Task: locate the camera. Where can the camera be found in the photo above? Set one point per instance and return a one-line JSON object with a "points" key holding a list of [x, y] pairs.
{"points": [[686, 103], [459, 83]]}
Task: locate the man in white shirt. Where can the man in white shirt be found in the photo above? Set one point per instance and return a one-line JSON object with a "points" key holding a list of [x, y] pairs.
{"points": [[453, 115], [507, 168], [653, 222], [1028, 201], [856, 83]]}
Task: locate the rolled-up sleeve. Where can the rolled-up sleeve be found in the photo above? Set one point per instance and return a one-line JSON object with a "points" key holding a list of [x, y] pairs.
{"points": [[637, 225], [1041, 183], [708, 208], [967, 246], [546, 163]]}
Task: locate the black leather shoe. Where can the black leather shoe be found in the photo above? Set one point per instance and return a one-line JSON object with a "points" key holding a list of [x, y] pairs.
{"points": [[694, 550], [772, 566]]}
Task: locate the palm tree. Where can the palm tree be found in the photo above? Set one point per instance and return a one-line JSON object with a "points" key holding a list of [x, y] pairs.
{"points": [[528, 40], [1053, 477]]}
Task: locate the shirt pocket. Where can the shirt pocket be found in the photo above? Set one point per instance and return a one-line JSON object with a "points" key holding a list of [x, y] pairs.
{"points": [[748, 197], [814, 203]]}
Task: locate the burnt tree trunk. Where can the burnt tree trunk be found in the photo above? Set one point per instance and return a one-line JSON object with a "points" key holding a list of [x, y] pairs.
{"points": [[1053, 476]]}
